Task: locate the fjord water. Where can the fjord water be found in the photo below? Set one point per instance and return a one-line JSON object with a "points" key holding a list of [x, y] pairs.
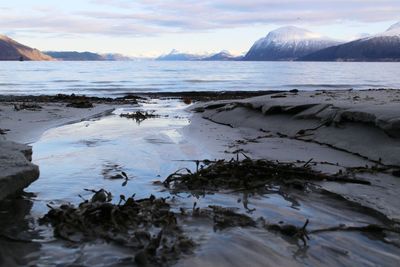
{"points": [[114, 78]]}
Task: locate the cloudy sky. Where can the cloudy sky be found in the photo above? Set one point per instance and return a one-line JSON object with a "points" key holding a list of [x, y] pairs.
{"points": [[153, 27]]}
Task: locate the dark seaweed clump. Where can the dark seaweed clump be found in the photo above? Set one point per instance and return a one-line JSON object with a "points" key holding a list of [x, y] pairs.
{"points": [[222, 217], [247, 174], [25, 106], [145, 225], [139, 116]]}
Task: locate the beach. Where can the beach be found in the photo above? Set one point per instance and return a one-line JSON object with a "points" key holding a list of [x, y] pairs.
{"points": [[350, 137]]}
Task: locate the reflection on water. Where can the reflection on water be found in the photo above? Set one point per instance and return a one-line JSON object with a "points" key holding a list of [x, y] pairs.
{"points": [[93, 154], [17, 233]]}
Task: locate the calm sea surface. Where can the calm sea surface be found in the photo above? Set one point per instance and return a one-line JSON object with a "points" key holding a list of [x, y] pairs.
{"points": [[116, 78]]}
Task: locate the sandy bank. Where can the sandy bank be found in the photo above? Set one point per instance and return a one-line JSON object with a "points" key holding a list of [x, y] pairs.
{"points": [[339, 131], [26, 126], [366, 123]]}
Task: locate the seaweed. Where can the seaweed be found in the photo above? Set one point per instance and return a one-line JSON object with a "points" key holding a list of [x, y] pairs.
{"points": [[4, 131], [139, 116], [301, 233], [298, 233], [114, 172], [248, 174], [147, 225], [222, 217], [80, 103], [24, 106]]}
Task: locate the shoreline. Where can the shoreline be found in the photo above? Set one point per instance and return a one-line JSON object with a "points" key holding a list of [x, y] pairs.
{"points": [[131, 98], [262, 127]]}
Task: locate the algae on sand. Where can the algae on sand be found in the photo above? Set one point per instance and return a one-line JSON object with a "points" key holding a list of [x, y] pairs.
{"points": [[145, 225], [247, 174]]}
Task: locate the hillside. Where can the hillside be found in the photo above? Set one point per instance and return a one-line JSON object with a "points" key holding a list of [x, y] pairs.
{"points": [[12, 50]]}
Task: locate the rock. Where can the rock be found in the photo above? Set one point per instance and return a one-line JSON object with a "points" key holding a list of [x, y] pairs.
{"points": [[17, 172]]}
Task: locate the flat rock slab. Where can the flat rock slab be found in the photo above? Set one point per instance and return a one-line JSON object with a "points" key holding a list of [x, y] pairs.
{"points": [[16, 169]]}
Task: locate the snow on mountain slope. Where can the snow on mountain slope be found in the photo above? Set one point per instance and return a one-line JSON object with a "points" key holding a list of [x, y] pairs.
{"points": [[393, 31], [176, 55], [379, 47], [287, 34], [288, 43], [222, 56]]}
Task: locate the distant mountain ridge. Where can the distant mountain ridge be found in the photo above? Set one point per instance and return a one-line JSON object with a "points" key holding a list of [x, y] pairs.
{"points": [[222, 56], [287, 43], [74, 56], [12, 50], [86, 56], [116, 57], [380, 47], [176, 55]]}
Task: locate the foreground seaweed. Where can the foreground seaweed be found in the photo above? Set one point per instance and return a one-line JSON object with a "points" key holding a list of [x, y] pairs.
{"points": [[145, 225], [248, 174]]}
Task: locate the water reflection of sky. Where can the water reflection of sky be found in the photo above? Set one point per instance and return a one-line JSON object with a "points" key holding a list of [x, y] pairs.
{"points": [[76, 156]]}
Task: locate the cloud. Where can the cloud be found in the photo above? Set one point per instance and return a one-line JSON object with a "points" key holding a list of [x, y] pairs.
{"points": [[150, 17]]}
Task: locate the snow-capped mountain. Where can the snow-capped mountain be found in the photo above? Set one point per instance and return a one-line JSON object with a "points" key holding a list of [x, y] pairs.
{"points": [[176, 55], [12, 50], [288, 43], [222, 56], [393, 31], [379, 47]]}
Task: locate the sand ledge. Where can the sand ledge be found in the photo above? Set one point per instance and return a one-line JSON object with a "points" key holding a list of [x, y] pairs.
{"points": [[366, 123], [17, 171]]}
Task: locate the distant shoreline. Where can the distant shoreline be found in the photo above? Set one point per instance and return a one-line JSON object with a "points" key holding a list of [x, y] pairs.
{"points": [[193, 95]]}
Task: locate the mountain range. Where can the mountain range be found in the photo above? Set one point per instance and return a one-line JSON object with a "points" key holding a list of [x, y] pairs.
{"points": [[74, 56], [288, 43], [222, 56], [175, 55], [86, 56]]}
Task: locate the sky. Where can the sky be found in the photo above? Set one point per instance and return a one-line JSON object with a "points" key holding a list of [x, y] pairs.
{"points": [[154, 27]]}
